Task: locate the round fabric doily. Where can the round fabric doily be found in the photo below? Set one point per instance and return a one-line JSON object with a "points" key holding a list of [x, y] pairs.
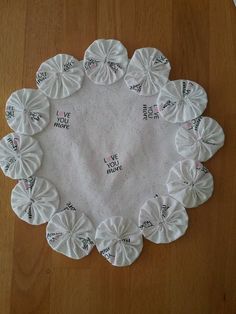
{"points": [[113, 148]]}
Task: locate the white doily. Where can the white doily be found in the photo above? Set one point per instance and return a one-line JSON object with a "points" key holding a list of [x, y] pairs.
{"points": [[121, 150]]}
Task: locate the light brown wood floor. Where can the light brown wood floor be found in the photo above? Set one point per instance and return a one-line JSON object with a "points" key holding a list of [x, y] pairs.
{"points": [[194, 275]]}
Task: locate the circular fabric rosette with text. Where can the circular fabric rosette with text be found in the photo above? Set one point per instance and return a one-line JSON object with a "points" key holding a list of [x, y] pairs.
{"points": [[119, 240], [20, 155], [163, 219], [27, 111], [71, 233], [34, 200], [147, 72], [181, 100], [60, 76], [190, 183], [199, 138], [105, 61]]}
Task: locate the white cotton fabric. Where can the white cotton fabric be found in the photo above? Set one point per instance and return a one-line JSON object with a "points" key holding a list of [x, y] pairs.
{"points": [[111, 147], [163, 219], [147, 72], [71, 233], [181, 100], [119, 240], [107, 149], [190, 183], [20, 155], [34, 200], [105, 61], [60, 76], [199, 138], [27, 111]]}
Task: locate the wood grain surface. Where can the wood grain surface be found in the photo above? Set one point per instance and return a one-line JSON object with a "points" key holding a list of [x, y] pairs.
{"points": [[194, 275]]}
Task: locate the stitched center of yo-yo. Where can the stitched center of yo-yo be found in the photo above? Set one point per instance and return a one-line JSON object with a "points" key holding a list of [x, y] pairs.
{"points": [[17, 155]]}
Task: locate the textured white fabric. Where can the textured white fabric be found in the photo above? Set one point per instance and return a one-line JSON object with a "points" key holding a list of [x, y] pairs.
{"points": [[27, 111], [147, 71], [109, 147], [20, 155], [105, 61], [199, 138], [34, 200], [119, 240], [60, 76], [108, 150], [190, 183], [71, 233], [181, 100], [163, 219]]}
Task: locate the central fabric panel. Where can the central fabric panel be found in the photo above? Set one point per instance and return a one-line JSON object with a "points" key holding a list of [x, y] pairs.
{"points": [[107, 150]]}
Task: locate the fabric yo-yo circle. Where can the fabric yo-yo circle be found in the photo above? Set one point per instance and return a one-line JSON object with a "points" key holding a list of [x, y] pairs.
{"points": [[181, 100], [199, 138], [105, 61], [119, 240], [27, 111], [60, 76], [147, 71], [163, 219], [20, 155], [34, 200], [190, 183], [70, 233]]}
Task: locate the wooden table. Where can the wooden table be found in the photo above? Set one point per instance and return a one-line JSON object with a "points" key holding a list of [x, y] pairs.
{"points": [[194, 275]]}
